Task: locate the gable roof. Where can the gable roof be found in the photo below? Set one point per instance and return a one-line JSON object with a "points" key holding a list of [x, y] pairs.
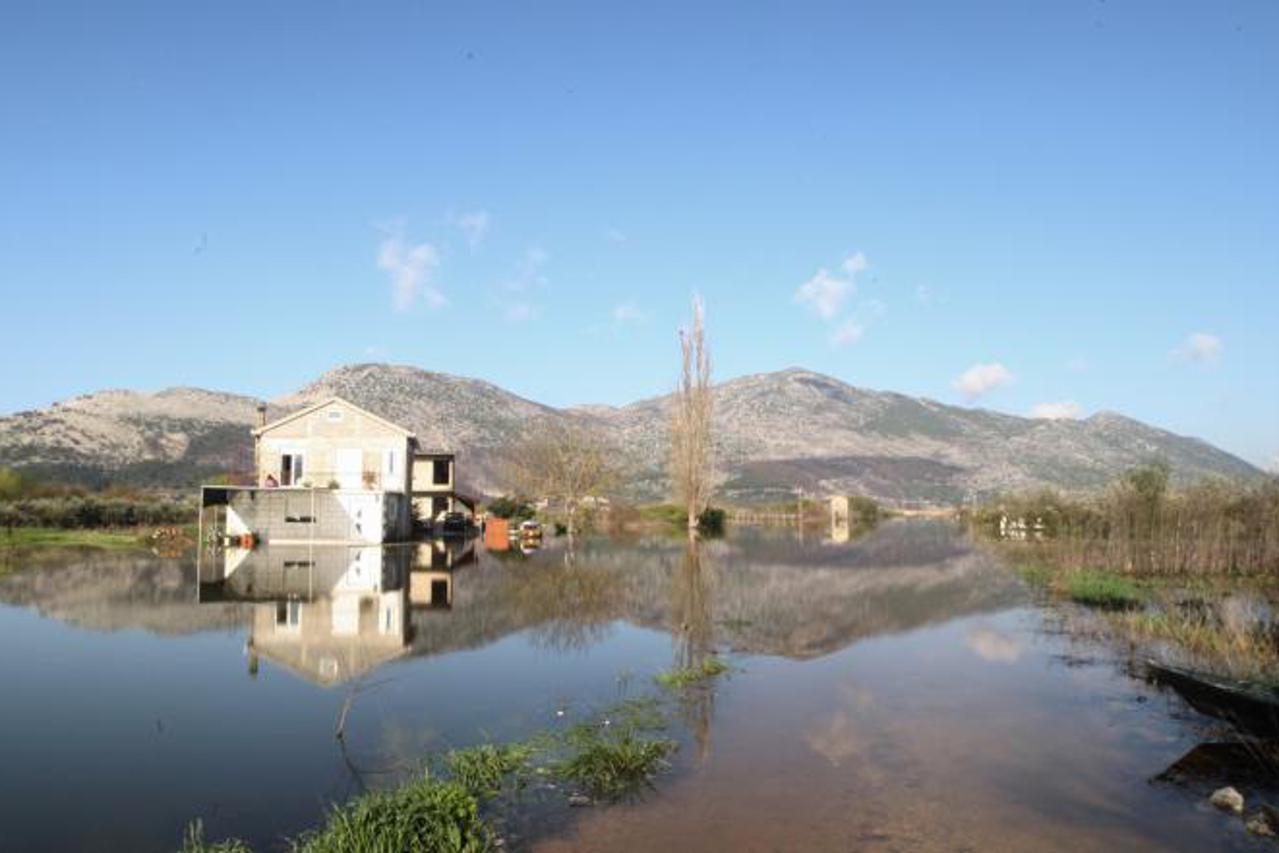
{"points": [[315, 407]]}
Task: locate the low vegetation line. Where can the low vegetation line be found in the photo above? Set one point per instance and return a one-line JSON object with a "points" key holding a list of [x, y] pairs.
{"points": [[56, 537]]}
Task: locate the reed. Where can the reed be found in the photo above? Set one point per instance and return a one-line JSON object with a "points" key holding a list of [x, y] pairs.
{"points": [[1142, 526]]}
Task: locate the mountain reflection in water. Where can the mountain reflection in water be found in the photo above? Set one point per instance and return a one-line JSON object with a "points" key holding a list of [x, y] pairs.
{"points": [[331, 613]]}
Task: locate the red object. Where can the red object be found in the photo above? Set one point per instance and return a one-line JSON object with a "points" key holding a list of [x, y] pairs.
{"points": [[497, 534]]}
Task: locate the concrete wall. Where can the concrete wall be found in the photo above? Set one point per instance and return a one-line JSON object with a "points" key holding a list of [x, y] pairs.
{"points": [[320, 515], [320, 434]]}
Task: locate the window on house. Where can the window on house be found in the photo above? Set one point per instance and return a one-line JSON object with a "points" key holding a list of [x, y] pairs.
{"points": [[291, 469], [288, 614], [390, 465], [441, 473], [334, 414]]}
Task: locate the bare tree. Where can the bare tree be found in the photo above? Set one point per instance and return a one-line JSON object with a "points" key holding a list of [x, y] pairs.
{"points": [[691, 448], [566, 463]]}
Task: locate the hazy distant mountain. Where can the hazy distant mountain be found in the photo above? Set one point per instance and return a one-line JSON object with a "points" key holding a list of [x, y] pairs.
{"points": [[774, 431]]}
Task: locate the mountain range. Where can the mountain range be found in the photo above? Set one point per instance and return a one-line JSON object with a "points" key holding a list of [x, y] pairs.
{"points": [[773, 432]]}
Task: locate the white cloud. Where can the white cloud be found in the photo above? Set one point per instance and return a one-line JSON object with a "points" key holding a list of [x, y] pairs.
{"points": [[924, 295], [981, 379], [826, 292], [1201, 347], [628, 312], [473, 224], [993, 646], [854, 264], [411, 268], [529, 273], [1066, 410], [614, 235], [849, 332]]}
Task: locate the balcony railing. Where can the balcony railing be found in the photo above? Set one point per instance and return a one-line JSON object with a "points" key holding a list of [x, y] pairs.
{"points": [[369, 481]]}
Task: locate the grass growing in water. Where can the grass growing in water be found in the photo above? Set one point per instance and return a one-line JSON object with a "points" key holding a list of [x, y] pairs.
{"points": [[484, 770], [1103, 589], [193, 842], [687, 676], [613, 765], [609, 757], [428, 815]]}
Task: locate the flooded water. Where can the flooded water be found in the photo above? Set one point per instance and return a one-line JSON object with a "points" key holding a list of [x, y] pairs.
{"points": [[902, 691]]}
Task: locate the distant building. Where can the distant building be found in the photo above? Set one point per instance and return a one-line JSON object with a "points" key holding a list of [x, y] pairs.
{"points": [[336, 473]]}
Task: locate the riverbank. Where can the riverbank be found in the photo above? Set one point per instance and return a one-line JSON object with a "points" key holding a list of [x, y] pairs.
{"points": [[1223, 626]]}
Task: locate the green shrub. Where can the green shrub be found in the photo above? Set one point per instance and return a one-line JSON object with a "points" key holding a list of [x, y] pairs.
{"points": [[90, 511], [711, 521], [516, 509]]}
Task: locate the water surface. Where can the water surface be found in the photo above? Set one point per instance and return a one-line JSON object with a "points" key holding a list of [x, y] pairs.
{"points": [[899, 691]]}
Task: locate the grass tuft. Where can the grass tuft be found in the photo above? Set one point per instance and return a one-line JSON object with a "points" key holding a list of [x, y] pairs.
{"points": [[193, 842], [1104, 590], [614, 765], [686, 676], [426, 816], [484, 770]]}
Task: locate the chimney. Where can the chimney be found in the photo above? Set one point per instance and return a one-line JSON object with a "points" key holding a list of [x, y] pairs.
{"points": [[261, 414]]}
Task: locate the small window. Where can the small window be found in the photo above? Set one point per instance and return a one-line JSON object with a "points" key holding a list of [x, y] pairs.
{"points": [[333, 414], [288, 613], [440, 476], [291, 469]]}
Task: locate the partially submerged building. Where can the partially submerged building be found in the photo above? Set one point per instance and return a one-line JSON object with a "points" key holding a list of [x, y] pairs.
{"points": [[334, 473]]}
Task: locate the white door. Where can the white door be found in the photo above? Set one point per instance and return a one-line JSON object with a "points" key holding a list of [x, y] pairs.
{"points": [[350, 468]]}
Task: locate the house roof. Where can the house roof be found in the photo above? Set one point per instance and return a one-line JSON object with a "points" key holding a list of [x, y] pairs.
{"points": [[320, 405]]}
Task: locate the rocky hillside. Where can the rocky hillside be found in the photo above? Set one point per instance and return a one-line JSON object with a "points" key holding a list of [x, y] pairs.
{"points": [[774, 431]]}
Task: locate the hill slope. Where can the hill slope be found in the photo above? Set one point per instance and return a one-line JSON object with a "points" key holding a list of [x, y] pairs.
{"points": [[774, 431]]}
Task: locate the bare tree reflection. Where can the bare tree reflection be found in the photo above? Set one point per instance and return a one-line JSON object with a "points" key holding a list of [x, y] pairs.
{"points": [[693, 632]]}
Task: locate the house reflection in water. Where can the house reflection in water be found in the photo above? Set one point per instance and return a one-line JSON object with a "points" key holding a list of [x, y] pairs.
{"points": [[331, 614]]}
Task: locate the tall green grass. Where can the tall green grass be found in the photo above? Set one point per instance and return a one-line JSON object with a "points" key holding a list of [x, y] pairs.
{"points": [[1103, 589], [613, 765], [428, 815]]}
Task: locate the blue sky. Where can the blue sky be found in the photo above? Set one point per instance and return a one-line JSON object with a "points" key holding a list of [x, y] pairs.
{"points": [[1071, 206]]}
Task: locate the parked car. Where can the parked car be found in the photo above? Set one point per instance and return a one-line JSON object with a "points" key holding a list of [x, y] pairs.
{"points": [[454, 524]]}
